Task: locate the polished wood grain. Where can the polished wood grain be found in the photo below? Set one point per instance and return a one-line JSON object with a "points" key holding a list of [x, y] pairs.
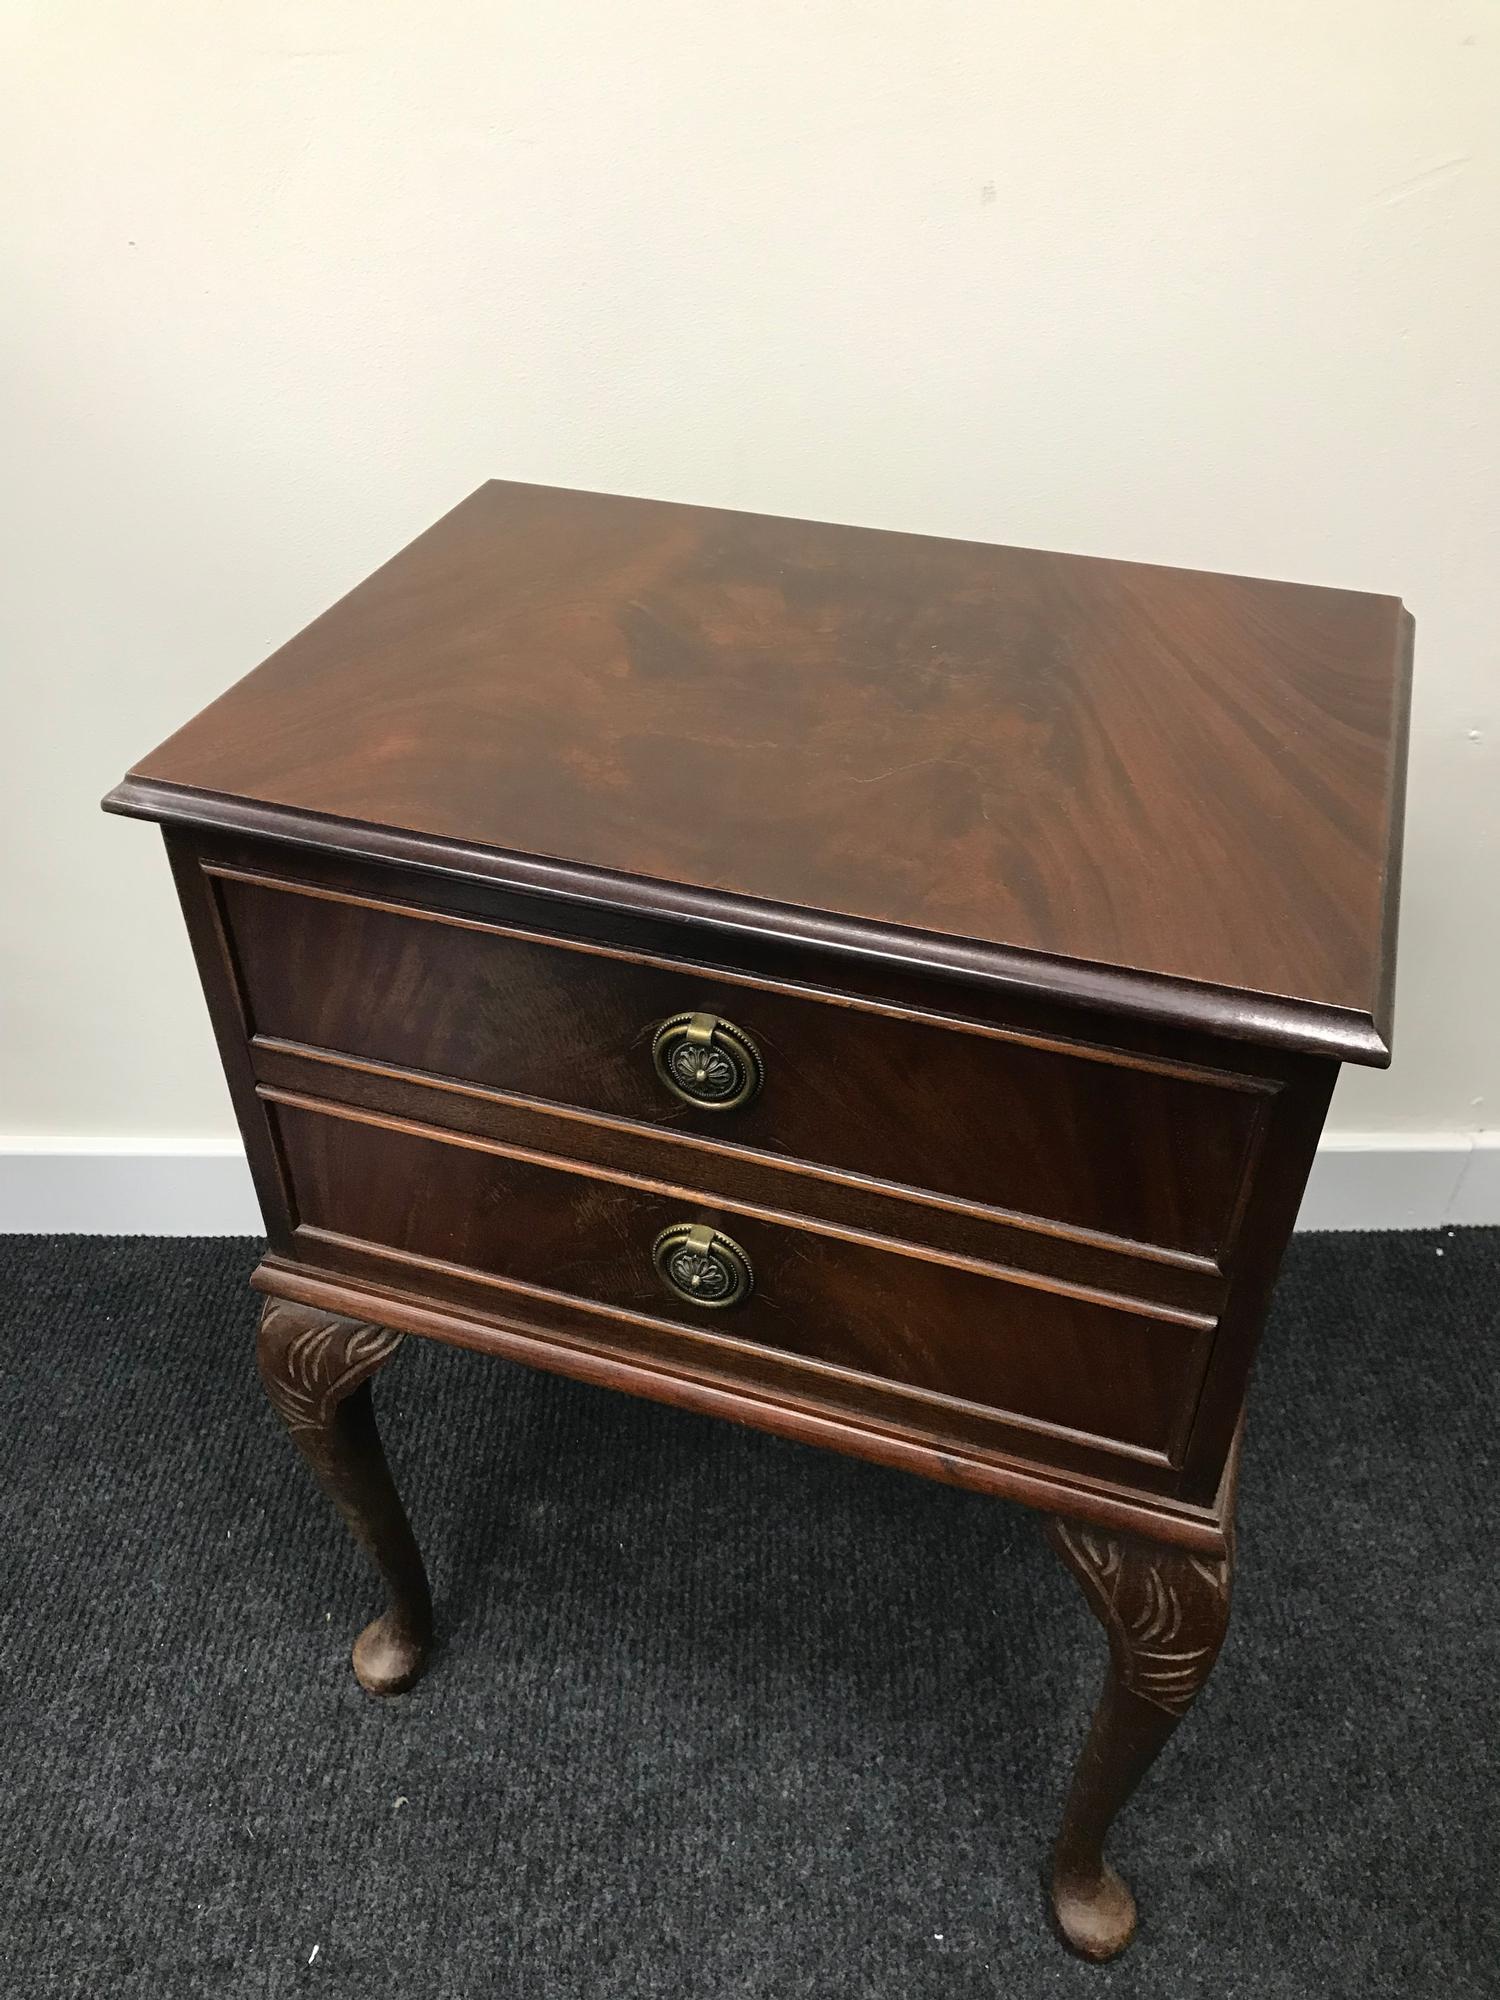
{"points": [[1019, 753], [1072, 1136]]}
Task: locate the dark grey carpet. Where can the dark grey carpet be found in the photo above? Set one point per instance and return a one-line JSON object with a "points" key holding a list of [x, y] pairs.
{"points": [[717, 1715]]}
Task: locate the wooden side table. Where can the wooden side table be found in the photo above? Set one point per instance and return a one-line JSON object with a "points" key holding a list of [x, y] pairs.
{"points": [[881, 989]]}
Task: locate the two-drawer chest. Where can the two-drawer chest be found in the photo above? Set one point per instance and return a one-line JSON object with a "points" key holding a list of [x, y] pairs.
{"points": [[882, 989]]}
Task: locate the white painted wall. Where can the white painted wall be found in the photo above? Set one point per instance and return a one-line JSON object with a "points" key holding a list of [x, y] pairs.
{"points": [[1186, 280]]}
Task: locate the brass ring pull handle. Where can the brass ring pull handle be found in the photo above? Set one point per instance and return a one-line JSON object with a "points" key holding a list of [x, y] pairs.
{"points": [[707, 1061], [702, 1265]]}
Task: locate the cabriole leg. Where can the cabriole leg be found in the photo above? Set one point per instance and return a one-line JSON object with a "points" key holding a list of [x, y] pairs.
{"points": [[1165, 1612], [316, 1368]]}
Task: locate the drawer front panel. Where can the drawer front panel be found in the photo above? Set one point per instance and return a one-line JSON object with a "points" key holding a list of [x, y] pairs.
{"points": [[1150, 1155], [1045, 1357]]}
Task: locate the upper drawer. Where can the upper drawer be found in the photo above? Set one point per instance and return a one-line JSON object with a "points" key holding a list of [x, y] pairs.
{"points": [[1087, 1138]]}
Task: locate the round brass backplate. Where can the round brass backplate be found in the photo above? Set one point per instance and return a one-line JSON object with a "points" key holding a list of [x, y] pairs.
{"points": [[707, 1062], [702, 1265]]}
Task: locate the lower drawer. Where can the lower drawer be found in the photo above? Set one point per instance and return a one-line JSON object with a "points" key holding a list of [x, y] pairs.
{"points": [[449, 1206]]}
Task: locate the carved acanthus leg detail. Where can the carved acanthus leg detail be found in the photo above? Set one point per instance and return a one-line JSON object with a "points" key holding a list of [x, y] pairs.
{"points": [[317, 1369], [1166, 1612]]}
